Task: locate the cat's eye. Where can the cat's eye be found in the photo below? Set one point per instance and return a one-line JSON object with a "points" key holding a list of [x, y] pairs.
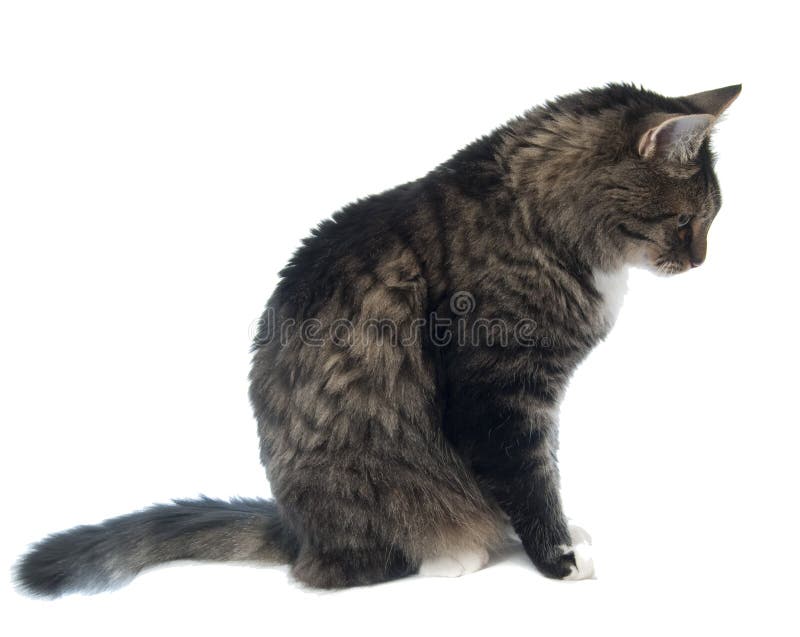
{"points": [[683, 220]]}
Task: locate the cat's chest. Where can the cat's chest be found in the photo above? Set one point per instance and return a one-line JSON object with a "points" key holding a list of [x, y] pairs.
{"points": [[612, 287]]}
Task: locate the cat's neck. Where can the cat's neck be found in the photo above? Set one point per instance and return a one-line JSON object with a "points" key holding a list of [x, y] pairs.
{"points": [[549, 173], [612, 286]]}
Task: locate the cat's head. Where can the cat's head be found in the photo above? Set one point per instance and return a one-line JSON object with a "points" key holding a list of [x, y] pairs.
{"points": [[624, 175], [665, 226]]}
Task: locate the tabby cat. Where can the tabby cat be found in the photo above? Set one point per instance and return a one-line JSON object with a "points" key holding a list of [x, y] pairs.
{"points": [[408, 367]]}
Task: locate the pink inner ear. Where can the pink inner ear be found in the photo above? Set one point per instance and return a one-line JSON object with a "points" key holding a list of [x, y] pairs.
{"points": [[647, 143], [677, 137]]}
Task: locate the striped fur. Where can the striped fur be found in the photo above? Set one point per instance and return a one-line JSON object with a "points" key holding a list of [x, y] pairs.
{"points": [[387, 451]]}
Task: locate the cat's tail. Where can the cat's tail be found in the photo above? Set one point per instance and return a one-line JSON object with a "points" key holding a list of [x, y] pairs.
{"points": [[94, 558]]}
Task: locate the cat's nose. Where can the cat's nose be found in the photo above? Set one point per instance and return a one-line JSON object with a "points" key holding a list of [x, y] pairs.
{"points": [[698, 248]]}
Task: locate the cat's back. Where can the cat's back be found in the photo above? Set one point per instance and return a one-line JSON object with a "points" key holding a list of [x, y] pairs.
{"points": [[366, 243]]}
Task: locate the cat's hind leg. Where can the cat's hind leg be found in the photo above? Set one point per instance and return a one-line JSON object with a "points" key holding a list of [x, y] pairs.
{"points": [[346, 567], [351, 435]]}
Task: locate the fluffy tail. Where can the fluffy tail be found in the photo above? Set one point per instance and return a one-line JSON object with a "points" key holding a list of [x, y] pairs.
{"points": [[95, 558]]}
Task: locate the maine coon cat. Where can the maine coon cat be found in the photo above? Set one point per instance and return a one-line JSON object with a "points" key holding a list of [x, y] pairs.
{"points": [[408, 366]]}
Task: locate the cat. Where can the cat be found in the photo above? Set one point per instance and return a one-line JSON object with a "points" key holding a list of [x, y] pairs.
{"points": [[408, 367]]}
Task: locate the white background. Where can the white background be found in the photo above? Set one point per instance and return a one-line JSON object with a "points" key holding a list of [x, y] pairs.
{"points": [[160, 161]]}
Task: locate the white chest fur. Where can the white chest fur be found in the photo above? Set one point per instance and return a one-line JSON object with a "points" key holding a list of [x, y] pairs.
{"points": [[612, 287]]}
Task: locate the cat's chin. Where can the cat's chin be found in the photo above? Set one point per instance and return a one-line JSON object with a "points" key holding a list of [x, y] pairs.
{"points": [[667, 268]]}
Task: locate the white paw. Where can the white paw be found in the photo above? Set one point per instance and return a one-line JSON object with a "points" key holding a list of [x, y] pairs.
{"points": [[454, 565], [582, 549]]}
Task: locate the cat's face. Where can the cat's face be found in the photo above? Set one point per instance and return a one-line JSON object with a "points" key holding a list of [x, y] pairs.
{"points": [[667, 229], [671, 193]]}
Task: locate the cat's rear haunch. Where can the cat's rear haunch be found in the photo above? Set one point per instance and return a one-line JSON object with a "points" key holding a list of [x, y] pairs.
{"points": [[408, 368]]}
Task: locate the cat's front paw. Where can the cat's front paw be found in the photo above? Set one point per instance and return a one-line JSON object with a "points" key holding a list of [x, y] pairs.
{"points": [[581, 551], [570, 562], [560, 566]]}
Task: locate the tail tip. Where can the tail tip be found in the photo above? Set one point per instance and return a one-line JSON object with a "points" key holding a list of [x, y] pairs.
{"points": [[35, 575], [67, 562]]}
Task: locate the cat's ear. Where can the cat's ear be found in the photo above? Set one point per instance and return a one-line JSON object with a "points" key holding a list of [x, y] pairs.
{"points": [[677, 138], [716, 101]]}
